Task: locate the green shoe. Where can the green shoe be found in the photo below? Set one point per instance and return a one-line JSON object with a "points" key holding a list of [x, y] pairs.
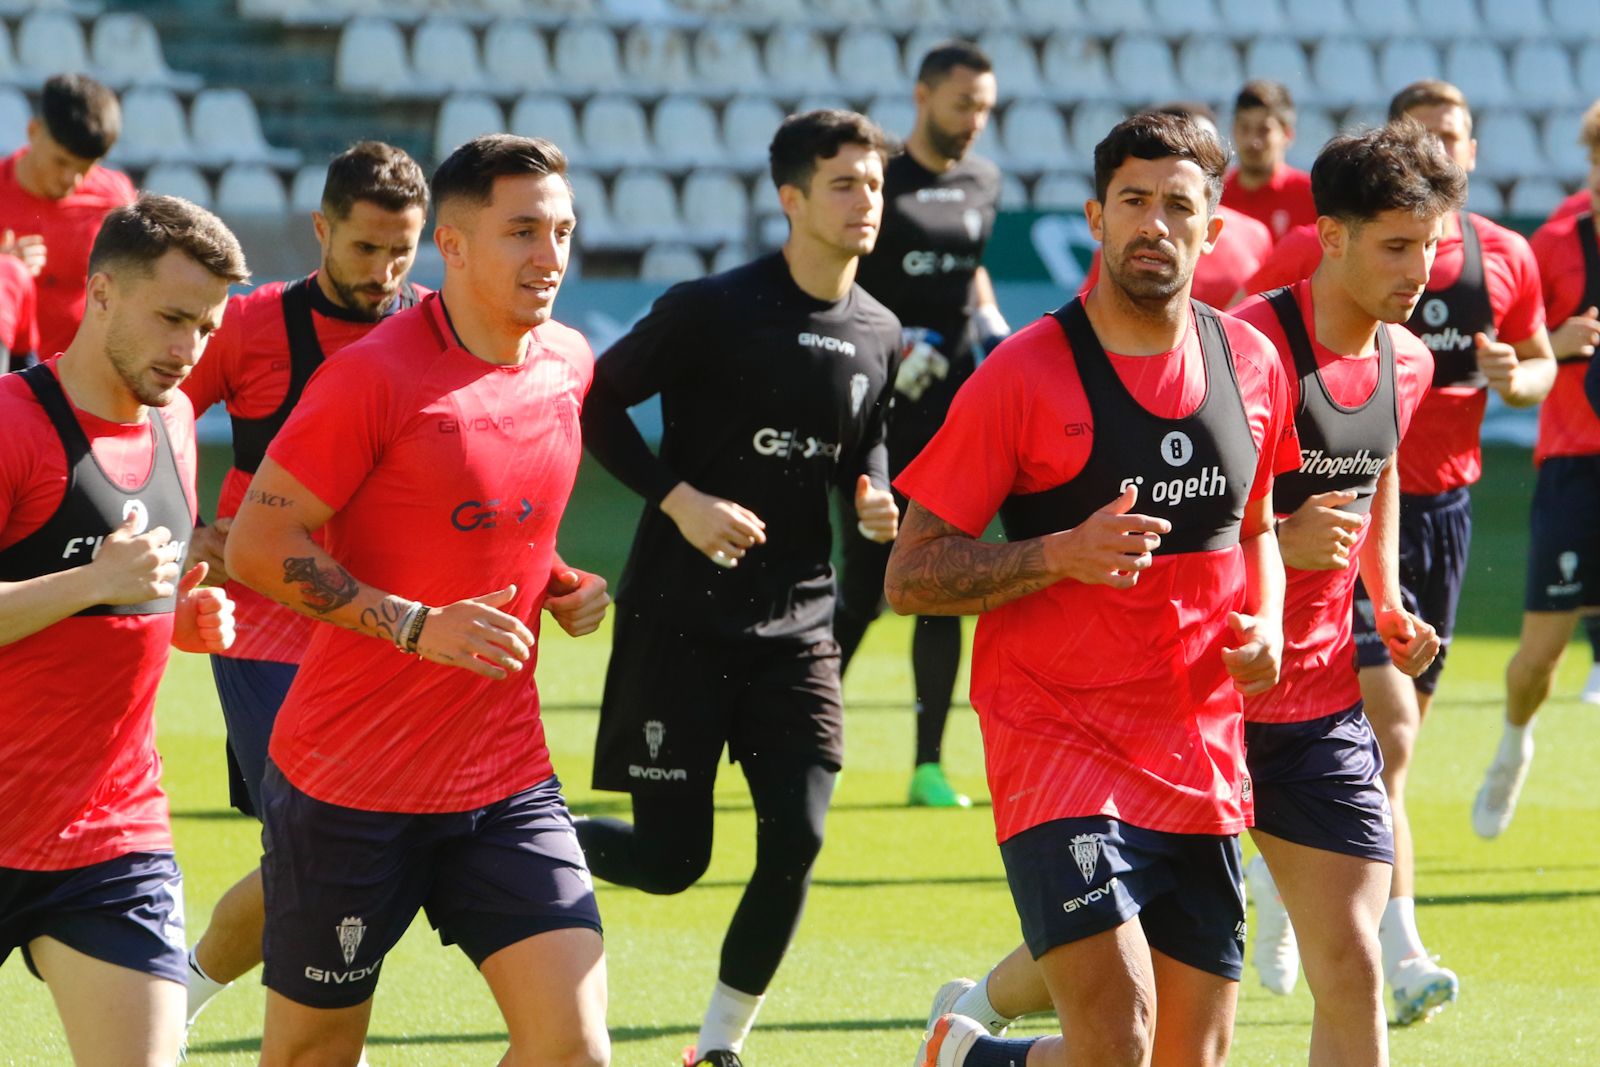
{"points": [[930, 789]]}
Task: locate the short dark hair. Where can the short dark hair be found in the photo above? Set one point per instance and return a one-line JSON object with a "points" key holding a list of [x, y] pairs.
{"points": [[134, 236], [1396, 167], [946, 56], [1263, 93], [374, 171], [1158, 135], [470, 171], [805, 138], [80, 114], [1429, 92]]}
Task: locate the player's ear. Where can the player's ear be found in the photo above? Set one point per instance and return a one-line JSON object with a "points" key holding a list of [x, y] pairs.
{"points": [[322, 228], [1213, 229], [1094, 211], [1332, 234], [98, 293], [451, 243], [790, 196]]}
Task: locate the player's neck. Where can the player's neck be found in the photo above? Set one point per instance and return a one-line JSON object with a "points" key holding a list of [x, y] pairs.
{"points": [[491, 338], [1132, 327], [821, 272], [1341, 325], [920, 149], [93, 384], [26, 176], [1251, 180]]}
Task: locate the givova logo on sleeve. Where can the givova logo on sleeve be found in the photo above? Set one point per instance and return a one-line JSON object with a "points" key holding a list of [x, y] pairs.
{"points": [[1176, 450]]}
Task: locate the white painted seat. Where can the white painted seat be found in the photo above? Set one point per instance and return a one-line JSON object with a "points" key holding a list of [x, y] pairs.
{"points": [[178, 179], [1209, 68], [1062, 191], [1407, 59], [515, 58], [1535, 197], [371, 58], [1346, 72], [1075, 66], [50, 41], [1542, 74], [1091, 121], [1313, 20], [463, 117], [1508, 146], [716, 208], [1015, 62], [656, 58], [14, 116], [1568, 158], [645, 208], [796, 60], [869, 61], [1116, 16], [250, 189], [585, 58], [596, 229], [668, 262], [1281, 59], [1313, 127], [685, 133], [615, 132], [444, 56], [1142, 68], [1478, 68], [549, 116], [1035, 136], [305, 189], [1247, 19], [154, 128], [1383, 20], [748, 123], [726, 60], [126, 50], [225, 128]]}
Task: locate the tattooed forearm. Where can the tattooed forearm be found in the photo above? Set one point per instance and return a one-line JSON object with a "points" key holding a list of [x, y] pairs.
{"points": [[959, 576], [268, 500], [322, 589], [385, 617]]}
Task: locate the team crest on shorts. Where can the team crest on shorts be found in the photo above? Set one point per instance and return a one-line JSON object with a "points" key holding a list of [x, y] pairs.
{"points": [[1086, 853], [654, 734], [351, 931], [858, 392]]}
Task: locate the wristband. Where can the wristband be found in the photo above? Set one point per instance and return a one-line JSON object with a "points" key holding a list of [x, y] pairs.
{"points": [[414, 631], [404, 623]]}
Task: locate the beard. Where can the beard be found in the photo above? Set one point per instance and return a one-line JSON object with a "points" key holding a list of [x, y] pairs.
{"points": [[1142, 286], [367, 302], [949, 145], [123, 353]]}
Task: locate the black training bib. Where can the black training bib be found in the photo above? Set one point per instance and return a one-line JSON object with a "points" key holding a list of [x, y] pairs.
{"points": [[1447, 319]]}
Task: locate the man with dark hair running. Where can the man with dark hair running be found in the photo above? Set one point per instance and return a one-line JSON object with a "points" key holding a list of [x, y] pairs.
{"points": [[374, 205], [939, 203], [774, 380], [1264, 185], [408, 767], [1118, 781], [97, 500]]}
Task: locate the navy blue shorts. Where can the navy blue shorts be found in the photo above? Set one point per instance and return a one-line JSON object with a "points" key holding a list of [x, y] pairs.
{"points": [[127, 911], [342, 885], [251, 692], [1563, 550], [1074, 878], [1317, 784], [1435, 533]]}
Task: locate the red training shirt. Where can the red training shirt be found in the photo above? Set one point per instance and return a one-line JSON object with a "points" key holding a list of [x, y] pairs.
{"points": [[448, 476], [1222, 273], [1099, 701], [82, 780], [1576, 204], [1568, 426], [1318, 676], [1282, 202], [19, 311]]}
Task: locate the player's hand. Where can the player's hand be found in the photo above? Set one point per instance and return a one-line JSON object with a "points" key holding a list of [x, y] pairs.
{"points": [[1497, 360], [1319, 536], [29, 248], [877, 518], [577, 600], [1577, 336], [133, 568], [720, 529], [204, 616], [1256, 654], [1110, 547], [476, 636], [206, 546], [921, 362], [1412, 643]]}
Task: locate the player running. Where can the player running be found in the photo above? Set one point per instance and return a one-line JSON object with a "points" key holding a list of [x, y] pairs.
{"points": [[374, 205], [97, 501], [408, 767], [1118, 782], [1263, 185], [939, 203], [774, 379]]}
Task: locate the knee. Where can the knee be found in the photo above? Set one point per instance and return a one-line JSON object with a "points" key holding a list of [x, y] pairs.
{"points": [[794, 845], [593, 1050], [1124, 1041], [1345, 971], [668, 874]]}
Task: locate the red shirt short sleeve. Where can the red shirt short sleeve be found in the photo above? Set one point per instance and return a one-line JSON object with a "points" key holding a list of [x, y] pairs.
{"points": [[19, 310], [1567, 424], [1576, 204], [1283, 203], [1295, 256]]}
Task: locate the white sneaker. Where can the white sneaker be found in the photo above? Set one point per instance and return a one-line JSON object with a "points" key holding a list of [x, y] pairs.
{"points": [[948, 1040], [1273, 949], [1497, 797], [1590, 693], [1420, 989], [944, 1001]]}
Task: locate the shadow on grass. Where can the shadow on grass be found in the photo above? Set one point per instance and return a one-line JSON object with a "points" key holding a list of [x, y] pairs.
{"points": [[1548, 896]]}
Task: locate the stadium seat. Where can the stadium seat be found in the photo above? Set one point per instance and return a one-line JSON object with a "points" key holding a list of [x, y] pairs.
{"points": [[1313, 127], [1518, 20], [1209, 68], [796, 60], [1446, 20], [730, 256], [645, 208], [748, 124], [585, 55], [1568, 158], [1091, 122], [1174, 18], [839, 12], [819, 100], [1035, 136], [1314, 20], [1282, 60], [1485, 199], [1247, 19], [14, 115], [685, 133], [248, 189], [444, 56], [463, 117], [226, 129], [178, 179], [549, 116], [1588, 70], [913, 12], [869, 61], [1364, 117], [1346, 72], [515, 58], [1508, 146], [1116, 16], [920, 42], [50, 41], [1383, 20], [305, 190], [716, 208], [767, 12], [896, 114], [371, 58], [655, 58], [1141, 69], [1075, 66], [1051, 14], [154, 129], [1478, 68], [615, 132], [1405, 60], [126, 51], [1565, 13], [664, 262], [1542, 75], [974, 16], [1015, 62], [1013, 194], [726, 60], [1535, 197], [1062, 191], [596, 229]]}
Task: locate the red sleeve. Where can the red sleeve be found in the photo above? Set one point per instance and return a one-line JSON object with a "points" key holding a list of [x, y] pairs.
{"points": [[1294, 257], [1522, 312], [28, 318], [336, 433], [1576, 204], [1560, 264], [208, 383]]}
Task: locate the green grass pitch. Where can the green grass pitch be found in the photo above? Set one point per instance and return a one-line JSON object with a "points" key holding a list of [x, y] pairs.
{"points": [[905, 899]]}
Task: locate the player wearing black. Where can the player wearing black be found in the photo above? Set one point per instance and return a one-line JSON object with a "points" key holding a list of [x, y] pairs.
{"points": [[774, 380], [939, 208]]}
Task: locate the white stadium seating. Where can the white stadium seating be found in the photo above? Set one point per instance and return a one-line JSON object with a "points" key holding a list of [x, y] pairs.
{"points": [[1075, 66], [896, 114], [1035, 136], [1405, 60], [1515, 19], [1142, 69], [1542, 71], [684, 133], [444, 56], [656, 58], [1050, 14], [1247, 19], [1090, 123], [796, 60], [1209, 68], [645, 206], [1313, 20], [1478, 68], [126, 50], [585, 55], [1313, 127], [305, 189], [664, 262], [49, 41], [1062, 191], [1015, 62], [595, 226], [868, 60], [1346, 72], [1184, 17], [1282, 59], [1383, 19], [549, 116], [178, 179], [615, 132], [1116, 16], [463, 117], [1535, 197], [154, 129], [225, 128], [248, 189], [1508, 145], [372, 58], [726, 60], [747, 127], [716, 209], [14, 115], [1569, 160]]}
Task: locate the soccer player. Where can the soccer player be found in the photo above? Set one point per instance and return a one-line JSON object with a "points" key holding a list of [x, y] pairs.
{"points": [[97, 500], [1146, 524], [408, 766], [1483, 319], [1588, 136], [939, 208], [774, 379], [1263, 185], [54, 193], [1562, 556], [374, 205]]}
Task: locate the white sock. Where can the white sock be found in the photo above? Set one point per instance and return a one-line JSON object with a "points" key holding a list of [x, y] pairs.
{"points": [[1516, 744], [1397, 933], [974, 1004], [202, 987], [728, 1020]]}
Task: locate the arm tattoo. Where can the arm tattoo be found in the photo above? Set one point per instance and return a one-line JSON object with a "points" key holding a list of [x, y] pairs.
{"points": [[385, 617], [943, 566], [321, 589], [269, 500]]}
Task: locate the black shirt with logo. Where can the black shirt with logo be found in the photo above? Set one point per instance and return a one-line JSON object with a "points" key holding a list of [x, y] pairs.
{"points": [[769, 398]]}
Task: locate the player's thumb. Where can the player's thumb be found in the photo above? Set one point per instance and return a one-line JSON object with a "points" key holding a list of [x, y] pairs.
{"points": [[128, 527], [1481, 339], [1242, 625], [863, 487], [497, 598], [1335, 497], [196, 575], [562, 581], [1592, 313], [1124, 503]]}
